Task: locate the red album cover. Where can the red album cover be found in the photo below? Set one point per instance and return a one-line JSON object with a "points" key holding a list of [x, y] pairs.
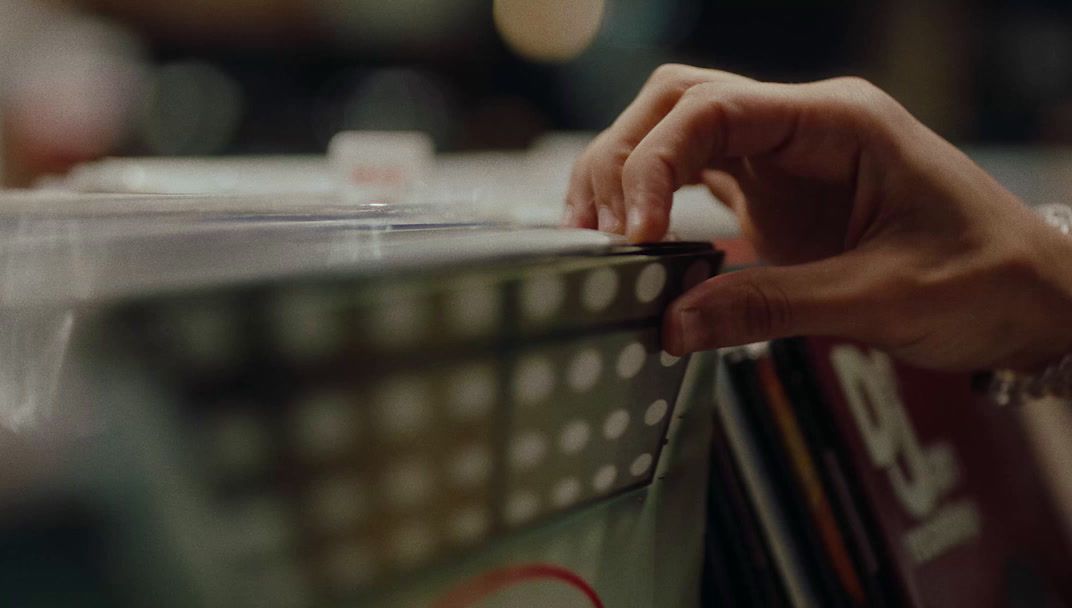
{"points": [[956, 495]]}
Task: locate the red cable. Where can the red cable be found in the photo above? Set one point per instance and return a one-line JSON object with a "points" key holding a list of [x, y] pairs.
{"points": [[474, 590]]}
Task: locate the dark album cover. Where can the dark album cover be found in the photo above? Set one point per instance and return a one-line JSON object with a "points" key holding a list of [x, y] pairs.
{"points": [[737, 553], [827, 449], [809, 486], [736, 397]]}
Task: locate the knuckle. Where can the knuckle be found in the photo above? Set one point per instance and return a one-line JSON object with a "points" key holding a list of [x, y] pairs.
{"points": [[863, 97], [701, 91], [871, 111], [856, 83], [763, 311], [645, 167], [672, 80], [668, 73], [859, 90]]}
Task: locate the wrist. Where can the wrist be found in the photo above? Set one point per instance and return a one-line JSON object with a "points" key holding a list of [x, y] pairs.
{"points": [[1051, 374], [1058, 266]]}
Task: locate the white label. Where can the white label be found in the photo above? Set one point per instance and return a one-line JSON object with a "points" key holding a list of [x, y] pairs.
{"points": [[920, 476]]}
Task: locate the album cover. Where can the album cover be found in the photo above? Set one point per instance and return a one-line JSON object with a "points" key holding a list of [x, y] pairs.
{"points": [[954, 493], [828, 452], [746, 566], [744, 363], [760, 482], [809, 486]]}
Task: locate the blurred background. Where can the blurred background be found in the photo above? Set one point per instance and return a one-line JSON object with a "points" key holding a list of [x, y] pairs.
{"points": [[89, 78]]}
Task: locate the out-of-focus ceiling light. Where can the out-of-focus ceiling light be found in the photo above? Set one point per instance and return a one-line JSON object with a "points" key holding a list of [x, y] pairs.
{"points": [[548, 30]]}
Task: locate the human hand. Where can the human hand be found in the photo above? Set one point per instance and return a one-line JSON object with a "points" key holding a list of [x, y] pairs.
{"points": [[879, 229]]}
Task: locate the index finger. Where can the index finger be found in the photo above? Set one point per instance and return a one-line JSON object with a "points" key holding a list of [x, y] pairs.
{"points": [[806, 130], [658, 96], [596, 178]]}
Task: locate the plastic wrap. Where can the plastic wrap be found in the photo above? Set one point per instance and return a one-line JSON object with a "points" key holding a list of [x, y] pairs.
{"points": [[118, 366], [63, 253]]}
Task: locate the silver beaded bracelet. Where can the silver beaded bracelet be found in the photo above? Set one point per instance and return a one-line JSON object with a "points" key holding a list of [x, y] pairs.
{"points": [[1016, 388]]}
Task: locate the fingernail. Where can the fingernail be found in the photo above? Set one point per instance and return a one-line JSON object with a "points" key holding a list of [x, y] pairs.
{"points": [[635, 224], [608, 222]]}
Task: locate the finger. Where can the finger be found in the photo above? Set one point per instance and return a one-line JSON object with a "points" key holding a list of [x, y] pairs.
{"points": [[828, 297], [658, 97], [607, 188], [814, 131], [711, 122], [580, 209], [609, 151]]}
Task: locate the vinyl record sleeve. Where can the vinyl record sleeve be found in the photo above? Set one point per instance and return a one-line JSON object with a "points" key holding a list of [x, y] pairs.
{"points": [[759, 482], [744, 367], [743, 553], [955, 495], [809, 486], [724, 582], [828, 451]]}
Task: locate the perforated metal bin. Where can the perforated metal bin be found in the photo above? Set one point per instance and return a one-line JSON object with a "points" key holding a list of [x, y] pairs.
{"points": [[376, 433]]}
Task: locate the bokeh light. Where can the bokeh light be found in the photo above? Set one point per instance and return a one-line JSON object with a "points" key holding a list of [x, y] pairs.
{"points": [[548, 30], [67, 87]]}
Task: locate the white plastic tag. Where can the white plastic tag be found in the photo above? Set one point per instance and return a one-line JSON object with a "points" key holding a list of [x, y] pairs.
{"points": [[380, 166]]}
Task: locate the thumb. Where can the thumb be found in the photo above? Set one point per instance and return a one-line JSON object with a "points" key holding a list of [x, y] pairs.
{"points": [[758, 304]]}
